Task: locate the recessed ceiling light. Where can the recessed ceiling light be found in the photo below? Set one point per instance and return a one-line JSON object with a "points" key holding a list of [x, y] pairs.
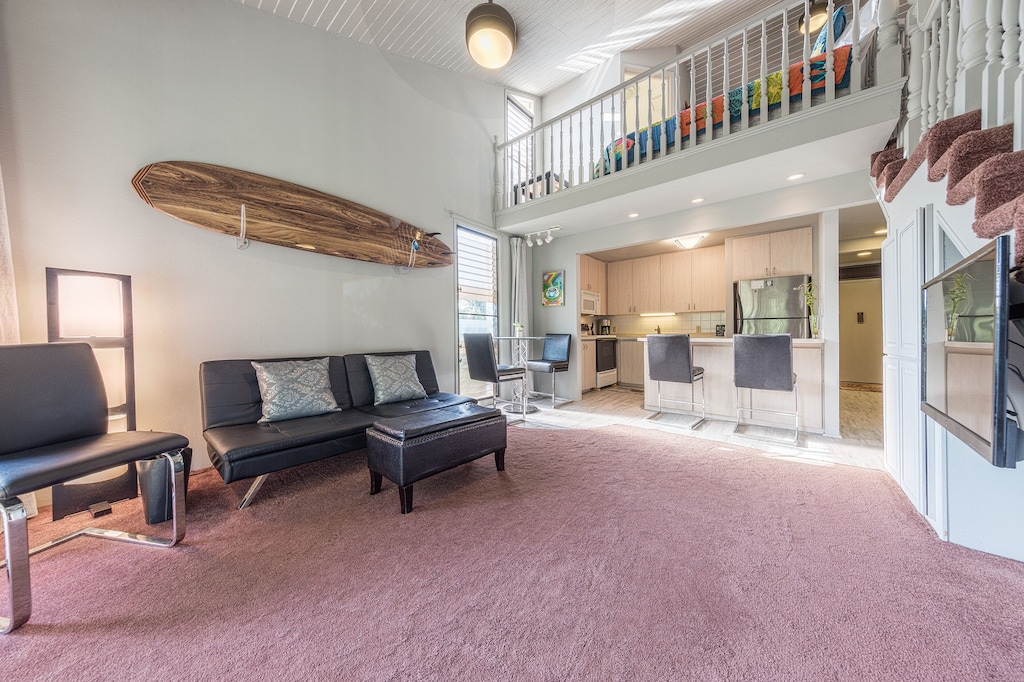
{"points": [[796, 176], [883, 230], [863, 253], [634, 215], [696, 200]]}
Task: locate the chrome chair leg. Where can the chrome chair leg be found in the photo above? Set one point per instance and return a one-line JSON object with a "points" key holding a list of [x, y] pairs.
{"points": [[253, 489], [17, 553], [19, 583]]}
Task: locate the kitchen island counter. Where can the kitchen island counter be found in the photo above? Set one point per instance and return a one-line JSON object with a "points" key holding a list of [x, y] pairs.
{"points": [[715, 355]]}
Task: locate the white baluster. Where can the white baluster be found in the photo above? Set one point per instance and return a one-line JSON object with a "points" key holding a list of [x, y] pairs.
{"points": [[500, 154], [940, 71], [805, 100], [561, 154], [693, 102], [785, 64], [589, 174], [932, 76], [854, 63], [745, 78], [993, 64], [650, 120], [764, 72], [953, 22], [726, 110], [830, 57], [636, 123], [709, 110], [611, 154], [926, 77], [571, 172], [1011, 60], [915, 84], [971, 50], [664, 113]]}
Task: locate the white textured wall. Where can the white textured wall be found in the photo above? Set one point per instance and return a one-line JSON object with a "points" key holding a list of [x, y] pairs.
{"points": [[92, 91]]}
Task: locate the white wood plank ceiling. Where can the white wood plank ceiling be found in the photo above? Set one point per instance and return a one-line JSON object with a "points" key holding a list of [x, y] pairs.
{"points": [[557, 39]]}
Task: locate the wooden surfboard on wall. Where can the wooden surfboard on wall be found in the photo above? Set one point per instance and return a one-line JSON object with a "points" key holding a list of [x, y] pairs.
{"points": [[285, 214]]}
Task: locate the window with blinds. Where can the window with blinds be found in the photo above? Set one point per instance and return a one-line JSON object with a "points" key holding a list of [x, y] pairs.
{"points": [[519, 120], [477, 257]]}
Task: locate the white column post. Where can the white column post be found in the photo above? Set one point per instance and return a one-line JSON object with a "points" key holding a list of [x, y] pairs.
{"points": [[828, 297], [914, 128], [1011, 60], [933, 76], [890, 54], [990, 116], [971, 51], [1018, 114], [940, 63]]}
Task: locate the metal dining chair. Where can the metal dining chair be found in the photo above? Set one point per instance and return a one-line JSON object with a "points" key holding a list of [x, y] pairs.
{"points": [[669, 359], [554, 358], [483, 366], [764, 362]]}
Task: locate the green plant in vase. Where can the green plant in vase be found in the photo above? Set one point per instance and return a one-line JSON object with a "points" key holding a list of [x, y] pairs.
{"points": [[954, 297], [811, 299]]}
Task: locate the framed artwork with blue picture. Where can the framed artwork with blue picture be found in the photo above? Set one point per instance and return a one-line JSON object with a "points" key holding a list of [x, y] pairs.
{"points": [[553, 288]]}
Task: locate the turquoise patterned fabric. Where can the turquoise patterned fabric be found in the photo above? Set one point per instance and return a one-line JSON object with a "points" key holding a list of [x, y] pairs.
{"points": [[294, 388], [394, 378], [838, 26]]}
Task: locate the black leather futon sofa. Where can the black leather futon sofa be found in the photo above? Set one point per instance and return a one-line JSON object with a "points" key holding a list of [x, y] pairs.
{"points": [[242, 448]]}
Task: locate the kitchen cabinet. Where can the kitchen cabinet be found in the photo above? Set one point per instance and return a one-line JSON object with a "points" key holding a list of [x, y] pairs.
{"points": [[694, 280], [588, 364], [631, 361], [776, 254], [593, 275], [634, 286]]}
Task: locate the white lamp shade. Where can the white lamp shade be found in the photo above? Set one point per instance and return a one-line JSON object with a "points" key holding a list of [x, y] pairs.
{"points": [[490, 35]]}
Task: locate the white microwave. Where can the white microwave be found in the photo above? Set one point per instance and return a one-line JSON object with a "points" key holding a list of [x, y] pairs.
{"points": [[590, 303]]}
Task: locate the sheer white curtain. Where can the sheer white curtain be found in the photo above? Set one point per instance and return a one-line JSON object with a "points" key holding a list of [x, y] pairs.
{"points": [[9, 330], [520, 291]]}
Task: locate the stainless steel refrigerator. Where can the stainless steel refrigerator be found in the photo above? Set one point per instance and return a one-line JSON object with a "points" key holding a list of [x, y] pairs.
{"points": [[772, 306]]}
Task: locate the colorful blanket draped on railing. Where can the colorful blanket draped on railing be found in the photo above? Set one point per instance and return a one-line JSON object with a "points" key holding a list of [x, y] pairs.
{"points": [[753, 93]]}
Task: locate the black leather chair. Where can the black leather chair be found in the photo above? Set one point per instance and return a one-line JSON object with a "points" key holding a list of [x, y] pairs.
{"points": [[554, 358], [483, 366], [53, 429], [669, 359], [764, 362]]}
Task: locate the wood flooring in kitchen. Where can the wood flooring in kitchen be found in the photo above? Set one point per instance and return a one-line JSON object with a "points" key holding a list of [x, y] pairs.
{"points": [[860, 415]]}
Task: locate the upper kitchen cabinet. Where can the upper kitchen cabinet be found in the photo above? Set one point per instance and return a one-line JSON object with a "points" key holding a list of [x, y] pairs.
{"points": [[634, 286], [593, 276], [694, 281], [777, 254]]}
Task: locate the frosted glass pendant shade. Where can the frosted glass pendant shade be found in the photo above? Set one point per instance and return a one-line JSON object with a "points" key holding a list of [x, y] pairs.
{"points": [[490, 35]]}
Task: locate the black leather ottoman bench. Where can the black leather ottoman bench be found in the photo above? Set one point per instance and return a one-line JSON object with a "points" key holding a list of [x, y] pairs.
{"points": [[410, 448]]}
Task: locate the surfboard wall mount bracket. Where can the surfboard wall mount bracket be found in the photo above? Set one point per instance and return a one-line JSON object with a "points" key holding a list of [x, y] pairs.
{"points": [[241, 242]]}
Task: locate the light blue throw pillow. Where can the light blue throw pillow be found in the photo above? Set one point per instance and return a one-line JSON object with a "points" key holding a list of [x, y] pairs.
{"points": [[295, 388], [394, 378], [838, 26]]}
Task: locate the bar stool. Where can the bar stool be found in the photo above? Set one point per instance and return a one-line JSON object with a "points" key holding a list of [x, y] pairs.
{"points": [[764, 362], [554, 359], [669, 359], [484, 367]]}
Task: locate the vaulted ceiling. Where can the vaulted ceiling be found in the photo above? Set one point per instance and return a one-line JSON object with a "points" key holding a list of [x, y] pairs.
{"points": [[557, 40]]}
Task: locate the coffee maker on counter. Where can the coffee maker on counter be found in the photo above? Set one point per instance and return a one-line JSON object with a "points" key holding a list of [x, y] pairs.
{"points": [[604, 327]]}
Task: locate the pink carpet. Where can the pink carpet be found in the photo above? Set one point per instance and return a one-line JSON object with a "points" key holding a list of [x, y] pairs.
{"points": [[614, 553]]}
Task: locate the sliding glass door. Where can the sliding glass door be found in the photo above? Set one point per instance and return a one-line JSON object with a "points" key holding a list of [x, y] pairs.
{"points": [[477, 256]]}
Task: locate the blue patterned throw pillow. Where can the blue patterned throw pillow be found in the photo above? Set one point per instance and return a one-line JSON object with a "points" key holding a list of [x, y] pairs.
{"points": [[394, 378], [294, 388]]}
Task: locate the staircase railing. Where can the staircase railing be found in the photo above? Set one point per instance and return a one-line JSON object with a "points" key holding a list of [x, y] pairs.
{"points": [[749, 76]]}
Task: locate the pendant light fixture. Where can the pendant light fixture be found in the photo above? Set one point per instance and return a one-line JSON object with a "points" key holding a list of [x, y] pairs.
{"points": [[490, 35], [818, 12]]}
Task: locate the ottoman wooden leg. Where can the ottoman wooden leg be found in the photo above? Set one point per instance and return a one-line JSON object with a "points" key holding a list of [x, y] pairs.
{"points": [[375, 481], [405, 497], [499, 459]]}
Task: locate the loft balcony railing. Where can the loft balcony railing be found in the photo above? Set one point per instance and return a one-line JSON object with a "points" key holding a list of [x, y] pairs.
{"points": [[747, 77]]}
